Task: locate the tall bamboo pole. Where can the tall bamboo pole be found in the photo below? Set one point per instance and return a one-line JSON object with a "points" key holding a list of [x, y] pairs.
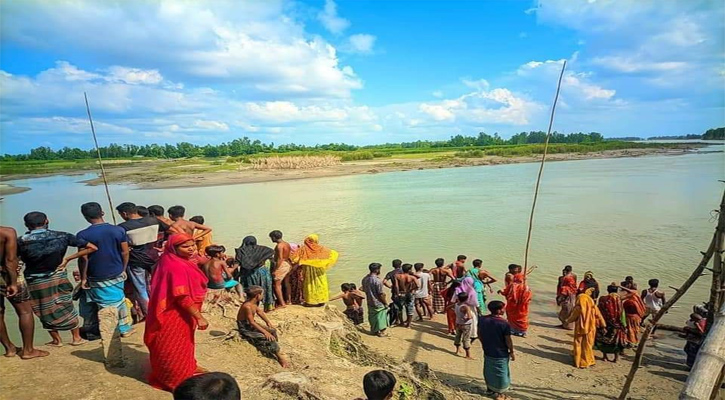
{"points": [[706, 256], [704, 377], [100, 160], [541, 171]]}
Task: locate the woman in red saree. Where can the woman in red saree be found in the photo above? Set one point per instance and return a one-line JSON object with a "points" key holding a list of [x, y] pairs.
{"points": [[518, 297], [634, 310], [178, 288], [566, 292]]}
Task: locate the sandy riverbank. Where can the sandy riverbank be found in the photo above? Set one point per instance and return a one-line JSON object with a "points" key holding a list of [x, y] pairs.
{"points": [[333, 356], [145, 177], [6, 189]]}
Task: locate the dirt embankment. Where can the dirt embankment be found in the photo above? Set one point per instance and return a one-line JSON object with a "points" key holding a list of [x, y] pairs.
{"points": [[329, 358]]}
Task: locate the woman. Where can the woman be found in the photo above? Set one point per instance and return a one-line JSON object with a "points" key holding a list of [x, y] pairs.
{"points": [[467, 286], [612, 339], [634, 310], [254, 269], [586, 319], [296, 279], [448, 295], [315, 260], [178, 288], [481, 278], [589, 283], [566, 295], [518, 297]]}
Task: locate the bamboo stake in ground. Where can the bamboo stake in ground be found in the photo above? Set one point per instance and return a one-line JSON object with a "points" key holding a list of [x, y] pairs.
{"points": [[706, 256]]}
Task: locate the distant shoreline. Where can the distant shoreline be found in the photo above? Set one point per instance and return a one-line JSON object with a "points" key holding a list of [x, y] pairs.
{"points": [[167, 175]]}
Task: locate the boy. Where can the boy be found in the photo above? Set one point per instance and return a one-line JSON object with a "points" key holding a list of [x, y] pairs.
{"points": [[197, 230], [459, 267], [407, 285], [265, 340], [395, 313], [440, 275], [353, 301], [498, 349], [464, 322], [203, 241], [209, 386], [653, 298], [218, 271], [422, 296], [379, 385], [282, 268]]}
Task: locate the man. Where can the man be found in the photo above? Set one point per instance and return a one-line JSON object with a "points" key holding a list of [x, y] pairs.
{"points": [[43, 250], [654, 300], [379, 385], [176, 213], [498, 349], [142, 235], [395, 312], [422, 296], [407, 285], [18, 295], [459, 267], [102, 277], [263, 338], [282, 268], [165, 229], [373, 288], [203, 241], [441, 274]]}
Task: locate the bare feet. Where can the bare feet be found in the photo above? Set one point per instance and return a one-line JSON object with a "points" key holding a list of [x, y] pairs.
{"points": [[53, 343], [12, 352], [79, 342], [129, 333], [283, 360], [33, 354]]}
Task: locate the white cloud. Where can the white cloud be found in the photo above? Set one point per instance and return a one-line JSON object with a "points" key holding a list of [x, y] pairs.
{"points": [[361, 43], [211, 125], [134, 75], [330, 20], [633, 65]]}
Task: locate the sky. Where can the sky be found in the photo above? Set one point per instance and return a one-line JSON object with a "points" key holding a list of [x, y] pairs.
{"points": [[354, 71]]}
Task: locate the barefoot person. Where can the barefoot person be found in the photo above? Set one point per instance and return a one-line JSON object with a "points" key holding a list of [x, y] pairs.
{"points": [[464, 323], [315, 260], [102, 279], [498, 350], [263, 338], [441, 274], [42, 251], [634, 310], [566, 295], [612, 339], [178, 288], [407, 285], [282, 268], [422, 296], [395, 312], [467, 287], [377, 303], [518, 297], [18, 295], [586, 319], [352, 298], [481, 279], [254, 263]]}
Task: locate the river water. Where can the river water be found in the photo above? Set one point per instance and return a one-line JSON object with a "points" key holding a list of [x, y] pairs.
{"points": [[648, 217]]}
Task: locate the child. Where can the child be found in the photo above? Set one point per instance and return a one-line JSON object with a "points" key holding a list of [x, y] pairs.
{"points": [[203, 241], [379, 385], [464, 322], [423, 301], [209, 386], [353, 299], [218, 271], [264, 339]]}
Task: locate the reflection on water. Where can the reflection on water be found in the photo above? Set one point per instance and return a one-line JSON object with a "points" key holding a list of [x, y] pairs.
{"points": [[647, 217]]}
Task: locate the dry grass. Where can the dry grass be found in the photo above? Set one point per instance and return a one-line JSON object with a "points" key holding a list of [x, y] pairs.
{"points": [[302, 162]]}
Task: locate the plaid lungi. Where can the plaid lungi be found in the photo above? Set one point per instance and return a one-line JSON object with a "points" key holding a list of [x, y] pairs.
{"points": [[53, 305], [439, 304]]}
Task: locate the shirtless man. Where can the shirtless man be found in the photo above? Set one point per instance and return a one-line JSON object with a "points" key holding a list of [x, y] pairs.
{"points": [[264, 339], [18, 295], [407, 285], [352, 298], [459, 267], [395, 310], [441, 274], [176, 213], [282, 267]]}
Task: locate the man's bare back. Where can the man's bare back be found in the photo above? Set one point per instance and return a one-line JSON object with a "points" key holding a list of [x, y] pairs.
{"points": [[407, 284], [282, 251], [183, 226], [441, 274]]}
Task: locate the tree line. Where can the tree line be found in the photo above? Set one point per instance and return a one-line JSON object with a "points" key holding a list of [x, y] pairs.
{"points": [[246, 146]]}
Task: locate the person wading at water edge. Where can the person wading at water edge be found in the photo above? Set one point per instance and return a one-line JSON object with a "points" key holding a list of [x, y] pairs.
{"points": [[315, 260], [498, 350], [377, 303], [42, 251], [102, 279], [16, 291]]}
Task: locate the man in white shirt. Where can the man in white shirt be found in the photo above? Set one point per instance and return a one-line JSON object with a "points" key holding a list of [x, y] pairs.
{"points": [[423, 301]]}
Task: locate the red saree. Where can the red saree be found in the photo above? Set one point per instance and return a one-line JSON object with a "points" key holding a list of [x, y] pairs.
{"points": [[634, 310], [177, 283], [518, 297]]}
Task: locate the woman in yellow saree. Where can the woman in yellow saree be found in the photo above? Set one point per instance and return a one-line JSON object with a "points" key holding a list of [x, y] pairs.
{"points": [[586, 318], [315, 260]]}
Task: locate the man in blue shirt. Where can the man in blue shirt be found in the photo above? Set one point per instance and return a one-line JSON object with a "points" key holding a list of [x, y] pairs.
{"points": [[494, 333], [102, 279]]}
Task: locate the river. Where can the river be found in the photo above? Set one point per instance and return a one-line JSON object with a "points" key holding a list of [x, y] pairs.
{"points": [[648, 217]]}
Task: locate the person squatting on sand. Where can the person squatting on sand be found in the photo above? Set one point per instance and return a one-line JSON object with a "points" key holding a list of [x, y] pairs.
{"points": [[263, 338]]}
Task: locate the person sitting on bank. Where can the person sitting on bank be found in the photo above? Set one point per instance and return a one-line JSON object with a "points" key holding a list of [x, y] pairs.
{"points": [[263, 338], [218, 271]]}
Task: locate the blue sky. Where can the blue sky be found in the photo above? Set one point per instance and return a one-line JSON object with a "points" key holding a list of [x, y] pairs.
{"points": [[354, 71]]}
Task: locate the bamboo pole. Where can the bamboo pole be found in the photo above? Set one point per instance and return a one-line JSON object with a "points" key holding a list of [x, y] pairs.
{"points": [[541, 171], [706, 256], [705, 375], [718, 275], [100, 160]]}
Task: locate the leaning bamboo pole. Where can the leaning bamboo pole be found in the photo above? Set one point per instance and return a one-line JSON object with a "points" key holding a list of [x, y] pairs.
{"points": [[706, 256], [704, 376]]}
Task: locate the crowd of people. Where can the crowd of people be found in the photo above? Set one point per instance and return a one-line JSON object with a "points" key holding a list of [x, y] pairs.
{"points": [[159, 269]]}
